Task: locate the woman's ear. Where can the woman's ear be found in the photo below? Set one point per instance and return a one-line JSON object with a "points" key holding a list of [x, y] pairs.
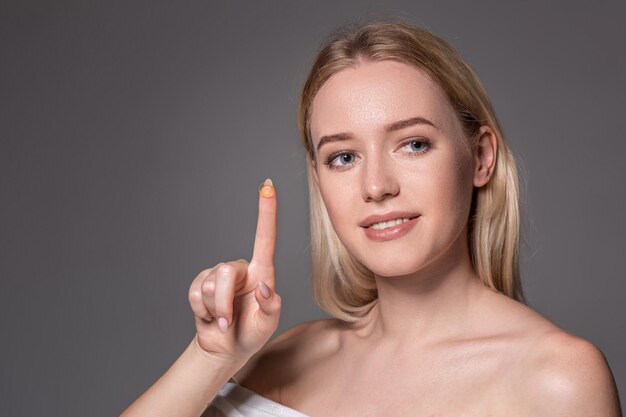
{"points": [[485, 156]]}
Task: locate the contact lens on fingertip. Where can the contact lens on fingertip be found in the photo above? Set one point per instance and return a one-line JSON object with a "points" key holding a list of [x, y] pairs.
{"points": [[267, 189]]}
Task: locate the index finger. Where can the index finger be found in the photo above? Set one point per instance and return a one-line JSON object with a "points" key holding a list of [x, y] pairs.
{"points": [[265, 238]]}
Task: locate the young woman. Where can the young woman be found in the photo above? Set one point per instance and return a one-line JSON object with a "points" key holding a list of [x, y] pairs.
{"points": [[415, 225]]}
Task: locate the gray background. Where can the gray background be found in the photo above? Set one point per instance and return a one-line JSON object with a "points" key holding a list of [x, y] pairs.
{"points": [[134, 136]]}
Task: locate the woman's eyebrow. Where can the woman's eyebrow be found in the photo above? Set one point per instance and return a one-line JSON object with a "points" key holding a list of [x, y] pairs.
{"points": [[408, 122], [401, 124]]}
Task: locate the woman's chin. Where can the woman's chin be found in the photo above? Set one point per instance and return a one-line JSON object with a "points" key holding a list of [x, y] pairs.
{"points": [[392, 270]]}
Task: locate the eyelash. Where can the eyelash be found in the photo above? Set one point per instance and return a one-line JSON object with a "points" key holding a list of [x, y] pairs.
{"points": [[332, 157]]}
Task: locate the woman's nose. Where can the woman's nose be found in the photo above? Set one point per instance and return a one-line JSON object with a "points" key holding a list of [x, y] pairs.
{"points": [[379, 181]]}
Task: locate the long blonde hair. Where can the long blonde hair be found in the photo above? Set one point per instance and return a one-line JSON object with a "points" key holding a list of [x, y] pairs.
{"points": [[344, 287]]}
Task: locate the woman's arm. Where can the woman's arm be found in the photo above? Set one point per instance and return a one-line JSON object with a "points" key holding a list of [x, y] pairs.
{"points": [[188, 387], [226, 336]]}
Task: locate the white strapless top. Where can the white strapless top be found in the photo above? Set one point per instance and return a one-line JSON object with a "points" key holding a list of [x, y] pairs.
{"points": [[235, 400]]}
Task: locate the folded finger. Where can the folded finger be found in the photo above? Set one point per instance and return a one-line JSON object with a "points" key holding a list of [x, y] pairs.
{"points": [[228, 278], [195, 297]]}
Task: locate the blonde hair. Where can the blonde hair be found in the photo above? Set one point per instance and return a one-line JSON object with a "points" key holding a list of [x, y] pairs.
{"points": [[344, 287]]}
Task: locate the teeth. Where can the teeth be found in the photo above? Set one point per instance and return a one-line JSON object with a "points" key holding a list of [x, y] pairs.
{"points": [[389, 223]]}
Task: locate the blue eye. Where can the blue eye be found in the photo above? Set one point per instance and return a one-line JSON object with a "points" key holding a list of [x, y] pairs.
{"points": [[418, 146], [340, 160], [346, 158]]}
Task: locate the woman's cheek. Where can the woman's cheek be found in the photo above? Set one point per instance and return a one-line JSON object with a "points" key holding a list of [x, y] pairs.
{"points": [[452, 177]]}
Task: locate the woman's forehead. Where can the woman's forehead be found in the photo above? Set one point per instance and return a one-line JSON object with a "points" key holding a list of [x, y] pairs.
{"points": [[373, 95]]}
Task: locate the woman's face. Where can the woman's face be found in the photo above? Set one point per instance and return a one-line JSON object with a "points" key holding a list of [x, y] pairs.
{"points": [[387, 140]]}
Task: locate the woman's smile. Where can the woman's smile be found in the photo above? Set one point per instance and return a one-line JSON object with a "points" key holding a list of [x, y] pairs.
{"points": [[388, 226], [391, 229]]}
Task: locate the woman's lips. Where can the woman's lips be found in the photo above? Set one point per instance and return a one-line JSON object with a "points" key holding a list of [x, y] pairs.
{"points": [[392, 232]]}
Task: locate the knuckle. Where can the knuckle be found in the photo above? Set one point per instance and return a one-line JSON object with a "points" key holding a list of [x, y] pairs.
{"points": [[194, 295], [208, 286], [225, 269]]}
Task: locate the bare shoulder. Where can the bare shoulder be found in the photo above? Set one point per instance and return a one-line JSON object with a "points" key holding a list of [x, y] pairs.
{"points": [[566, 375], [284, 358], [556, 373]]}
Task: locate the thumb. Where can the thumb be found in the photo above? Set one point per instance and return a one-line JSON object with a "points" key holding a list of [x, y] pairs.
{"points": [[269, 303]]}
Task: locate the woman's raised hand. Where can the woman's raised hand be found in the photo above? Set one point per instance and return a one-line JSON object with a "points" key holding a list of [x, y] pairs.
{"points": [[235, 306]]}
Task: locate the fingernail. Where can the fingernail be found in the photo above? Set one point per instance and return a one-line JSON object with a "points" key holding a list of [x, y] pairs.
{"points": [[265, 290], [267, 188], [222, 323]]}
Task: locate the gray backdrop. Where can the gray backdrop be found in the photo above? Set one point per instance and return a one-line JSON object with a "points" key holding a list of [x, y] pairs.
{"points": [[134, 136]]}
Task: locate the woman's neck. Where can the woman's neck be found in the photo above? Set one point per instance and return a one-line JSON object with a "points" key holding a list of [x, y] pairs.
{"points": [[431, 305]]}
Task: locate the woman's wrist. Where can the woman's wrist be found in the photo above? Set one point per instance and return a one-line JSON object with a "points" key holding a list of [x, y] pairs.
{"points": [[218, 360], [188, 386]]}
